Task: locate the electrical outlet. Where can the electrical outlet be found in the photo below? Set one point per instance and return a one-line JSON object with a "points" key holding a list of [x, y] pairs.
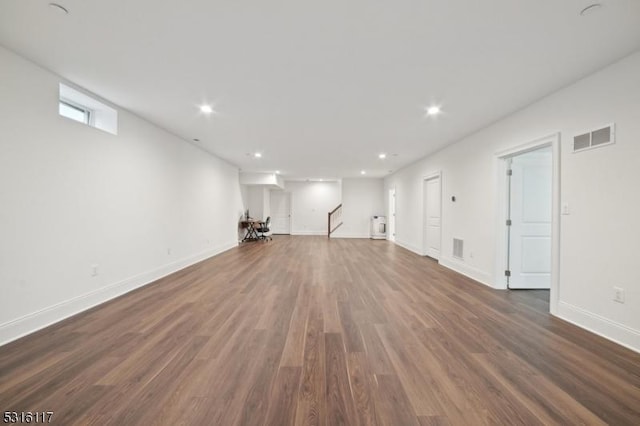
{"points": [[618, 294], [94, 270]]}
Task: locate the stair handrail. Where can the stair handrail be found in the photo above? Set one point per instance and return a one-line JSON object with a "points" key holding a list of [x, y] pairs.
{"points": [[334, 220]]}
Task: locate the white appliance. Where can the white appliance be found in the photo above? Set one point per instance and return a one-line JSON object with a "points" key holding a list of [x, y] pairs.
{"points": [[378, 227]]}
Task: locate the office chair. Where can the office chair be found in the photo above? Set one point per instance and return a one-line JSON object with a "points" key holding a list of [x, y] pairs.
{"points": [[264, 231]]}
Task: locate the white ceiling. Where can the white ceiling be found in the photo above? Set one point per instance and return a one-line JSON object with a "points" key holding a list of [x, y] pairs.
{"points": [[321, 87]]}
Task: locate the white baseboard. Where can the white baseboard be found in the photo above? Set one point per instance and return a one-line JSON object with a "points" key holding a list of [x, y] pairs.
{"points": [[467, 270], [409, 247], [455, 265], [35, 321], [597, 324], [309, 233], [337, 235]]}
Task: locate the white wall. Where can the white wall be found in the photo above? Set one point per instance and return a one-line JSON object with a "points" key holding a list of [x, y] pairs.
{"points": [[361, 199], [266, 203], [257, 198], [139, 205], [255, 201], [271, 179], [310, 203], [598, 239]]}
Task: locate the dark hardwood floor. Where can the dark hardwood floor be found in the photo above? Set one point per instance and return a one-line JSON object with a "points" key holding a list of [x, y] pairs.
{"points": [[306, 330]]}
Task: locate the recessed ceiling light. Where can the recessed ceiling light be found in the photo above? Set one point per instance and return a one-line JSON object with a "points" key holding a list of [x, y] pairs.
{"points": [[258, 155], [590, 9], [433, 110], [196, 140], [382, 156], [207, 109], [321, 180], [277, 172], [363, 172], [59, 8]]}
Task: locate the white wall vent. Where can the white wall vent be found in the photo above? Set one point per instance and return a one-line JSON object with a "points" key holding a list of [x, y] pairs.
{"points": [[458, 248], [594, 138]]}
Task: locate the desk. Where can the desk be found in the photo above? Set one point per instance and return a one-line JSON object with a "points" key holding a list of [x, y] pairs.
{"points": [[251, 225]]}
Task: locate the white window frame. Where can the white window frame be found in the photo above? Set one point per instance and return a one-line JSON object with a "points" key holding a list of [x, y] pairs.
{"points": [[97, 112], [88, 114]]}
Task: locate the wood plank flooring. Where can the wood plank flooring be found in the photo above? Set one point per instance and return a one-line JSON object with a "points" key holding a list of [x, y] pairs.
{"points": [[311, 331]]}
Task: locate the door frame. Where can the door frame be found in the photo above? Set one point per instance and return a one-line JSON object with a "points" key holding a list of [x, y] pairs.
{"points": [[502, 235], [425, 179], [288, 194]]}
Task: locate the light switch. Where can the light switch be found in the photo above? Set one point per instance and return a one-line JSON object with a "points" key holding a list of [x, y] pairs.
{"points": [[565, 208]]}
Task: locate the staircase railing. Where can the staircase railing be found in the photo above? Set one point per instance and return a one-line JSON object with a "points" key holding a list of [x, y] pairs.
{"points": [[334, 220]]}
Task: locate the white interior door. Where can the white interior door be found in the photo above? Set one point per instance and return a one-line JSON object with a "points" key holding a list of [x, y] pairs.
{"points": [[432, 209], [530, 214], [280, 212], [391, 222]]}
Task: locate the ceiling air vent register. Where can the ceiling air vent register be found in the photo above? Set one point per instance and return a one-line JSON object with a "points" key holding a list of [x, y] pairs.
{"points": [[594, 139]]}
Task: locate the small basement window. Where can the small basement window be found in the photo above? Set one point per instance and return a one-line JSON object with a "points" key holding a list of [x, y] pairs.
{"points": [[74, 112], [85, 109]]}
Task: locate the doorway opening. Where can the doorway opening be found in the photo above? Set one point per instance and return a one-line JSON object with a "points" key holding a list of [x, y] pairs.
{"points": [[431, 213], [391, 222], [528, 243]]}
